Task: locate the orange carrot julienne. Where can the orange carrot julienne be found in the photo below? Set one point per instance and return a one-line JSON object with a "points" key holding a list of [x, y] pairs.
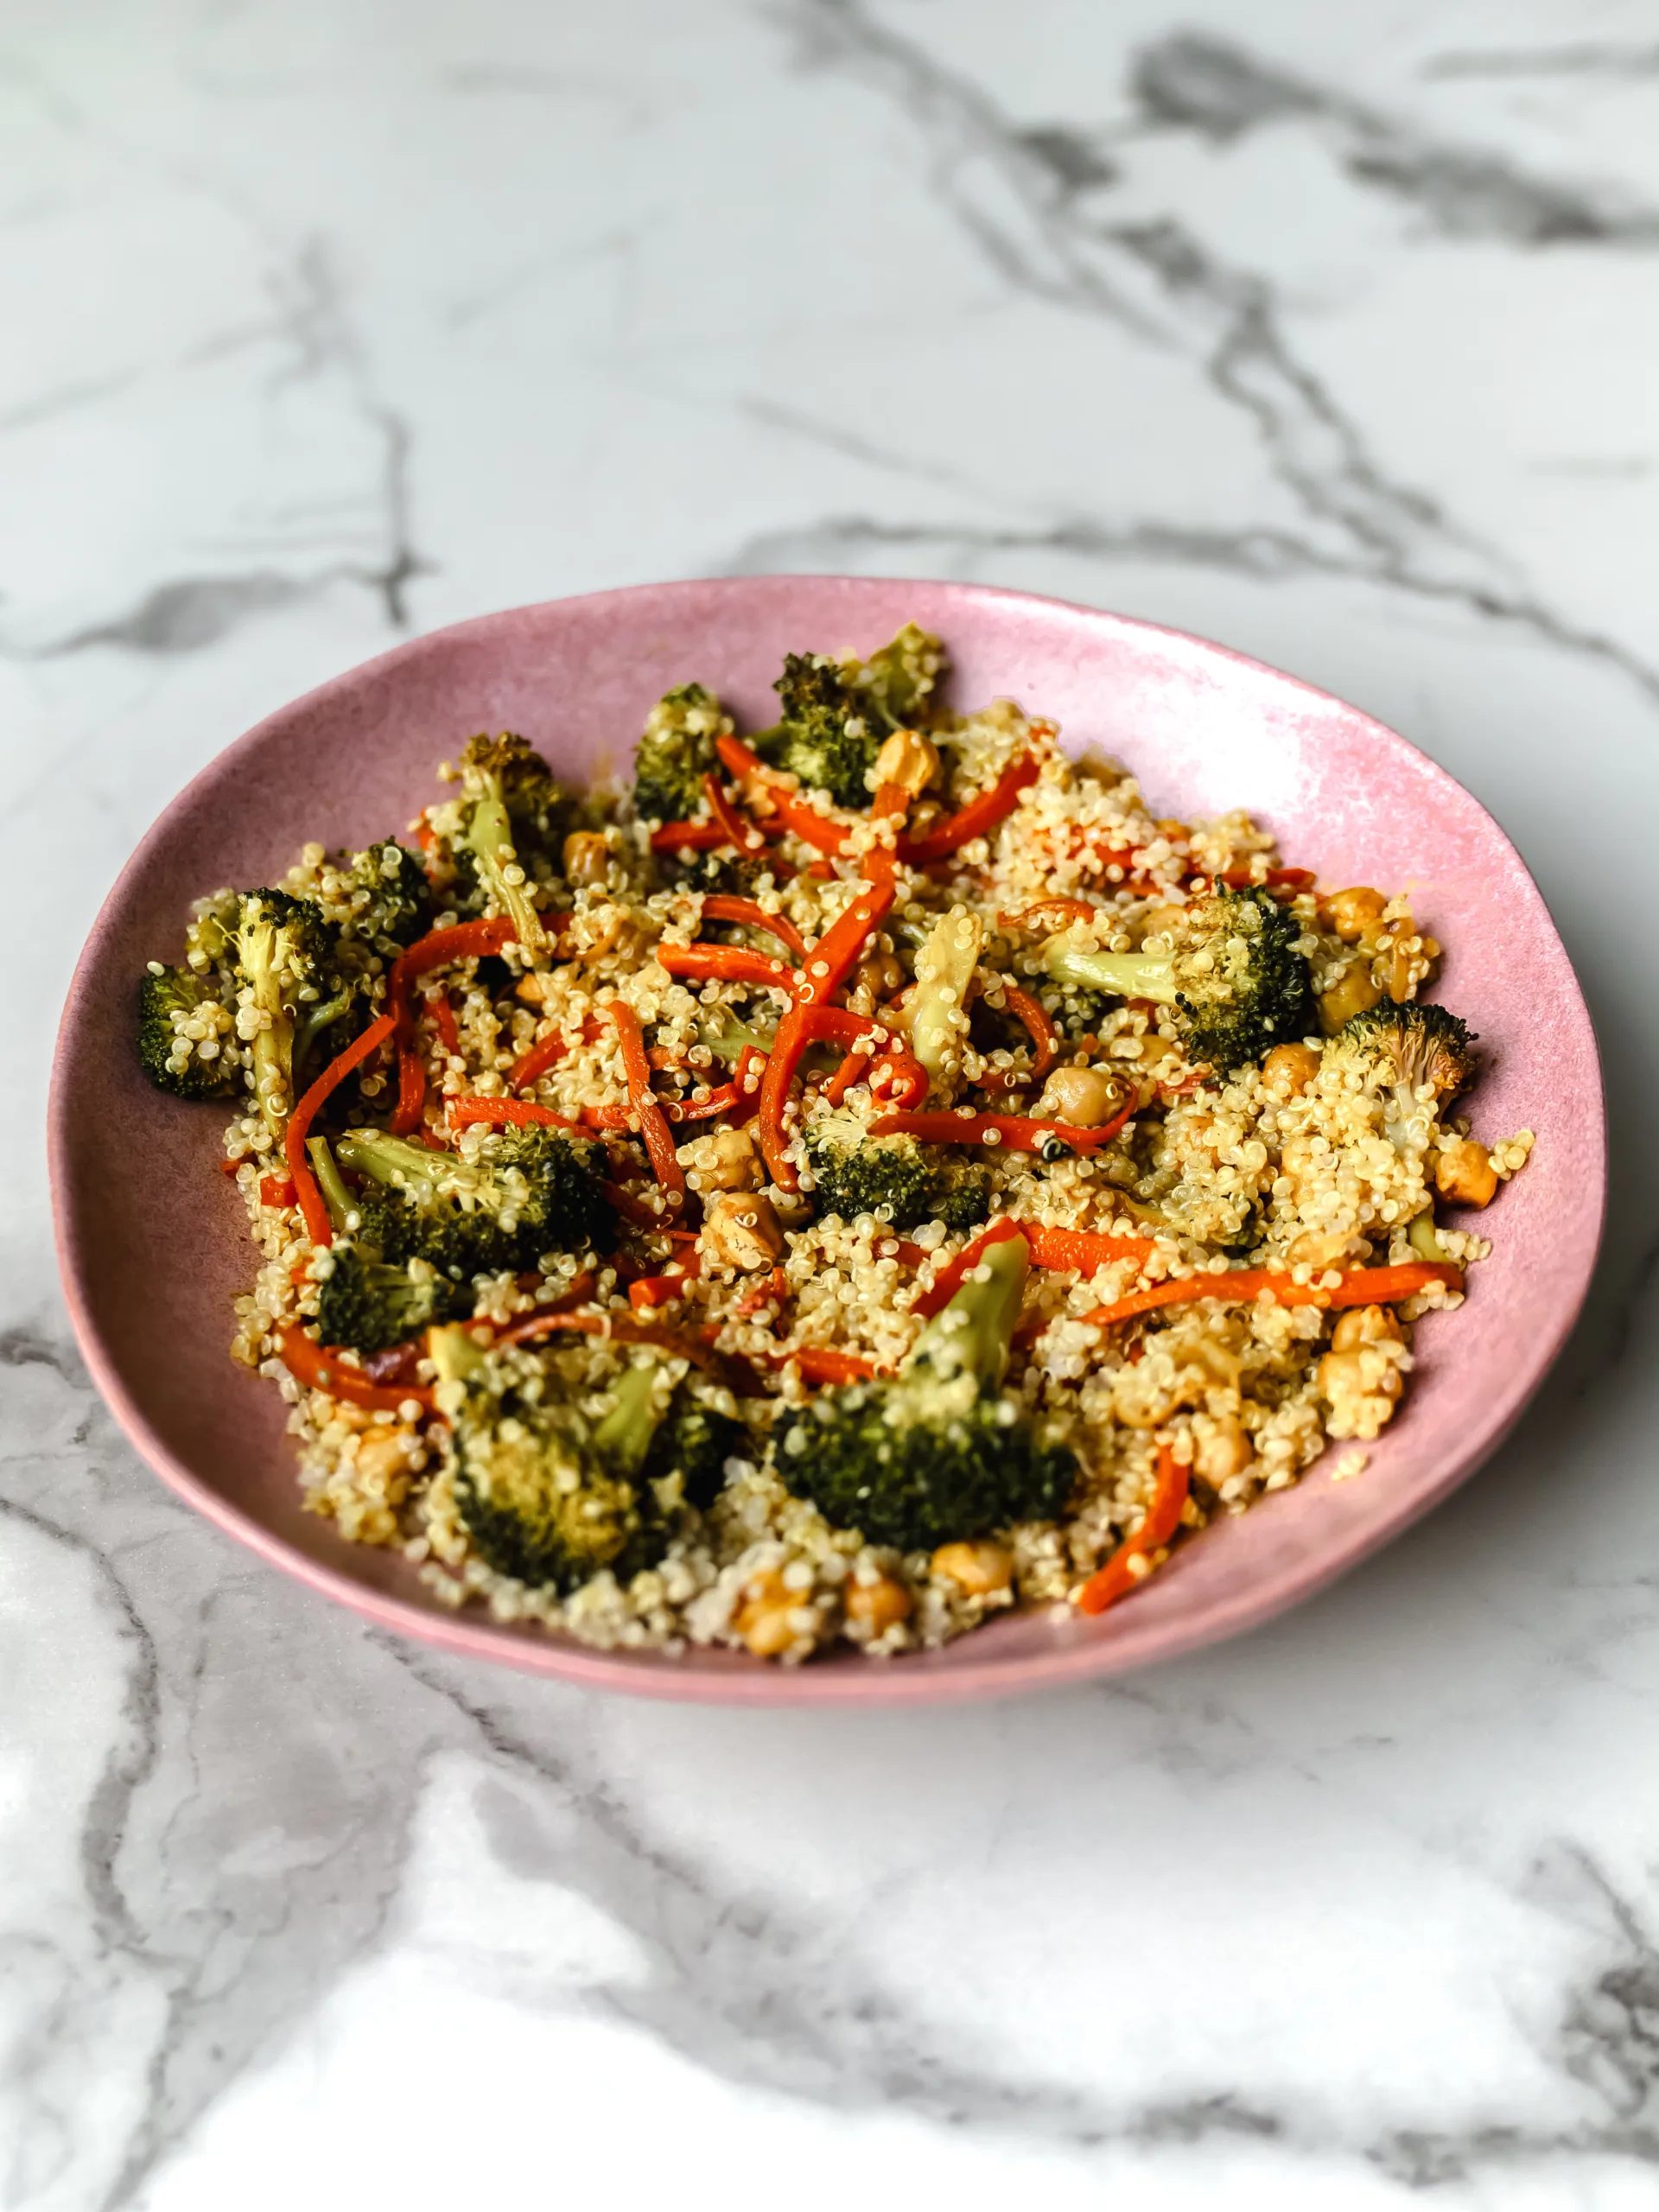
{"points": [[318, 1227], [534, 1064], [1068, 909], [727, 963], [1017, 1131], [653, 1126], [742, 834], [1358, 1286], [624, 1328], [980, 814], [1044, 1039], [463, 941], [505, 1113], [322, 1367], [1130, 1562], [721, 906], [819, 1365]]}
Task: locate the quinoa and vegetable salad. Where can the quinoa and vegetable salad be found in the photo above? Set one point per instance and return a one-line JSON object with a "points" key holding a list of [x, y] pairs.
{"points": [[849, 1180]]}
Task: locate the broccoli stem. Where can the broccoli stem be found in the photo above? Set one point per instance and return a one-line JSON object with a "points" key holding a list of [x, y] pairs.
{"points": [[336, 1195], [489, 839], [389, 1159], [317, 1019], [974, 1334], [1127, 975], [938, 1013], [259, 942], [624, 1436]]}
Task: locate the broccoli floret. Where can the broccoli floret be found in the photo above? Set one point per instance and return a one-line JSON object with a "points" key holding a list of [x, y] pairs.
{"points": [[1401, 1049], [694, 1441], [828, 733], [522, 1193], [546, 1495], [511, 809], [171, 1006], [894, 1178], [370, 1304], [282, 946], [901, 678], [939, 1453], [1231, 966], [675, 753], [399, 897]]}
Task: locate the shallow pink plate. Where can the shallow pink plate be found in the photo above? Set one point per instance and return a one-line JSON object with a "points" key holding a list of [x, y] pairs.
{"points": [[150, 1266]]}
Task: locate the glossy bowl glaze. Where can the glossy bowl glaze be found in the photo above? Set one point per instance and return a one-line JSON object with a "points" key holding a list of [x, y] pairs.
{"points": [[150, 1266]]}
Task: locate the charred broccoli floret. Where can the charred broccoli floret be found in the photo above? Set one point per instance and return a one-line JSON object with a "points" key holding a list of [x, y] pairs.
{"points": [[282, 947], [675, 753], [835, 713], [399, 897], [1231, 966], [370, 1304], [547, 1496], [939, 1453], [1403, 1050], [186, 1034], [522, 1193], [694, 1441], [895, 1179], [510, 815]]}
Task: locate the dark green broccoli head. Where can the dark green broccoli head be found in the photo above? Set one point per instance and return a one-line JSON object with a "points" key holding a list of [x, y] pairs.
{"points": [[399, 897], [1409, 1046], [902, 678], [520, 1194], [675, 753], [179, 1013], [370, 1304], [1233, 968], [939, 1454], [828, 733], [894, 1178], [694, 1441], [546, 1495]]}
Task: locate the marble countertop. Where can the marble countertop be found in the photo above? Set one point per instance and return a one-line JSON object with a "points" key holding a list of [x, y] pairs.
{"points": [[1329, 332]]}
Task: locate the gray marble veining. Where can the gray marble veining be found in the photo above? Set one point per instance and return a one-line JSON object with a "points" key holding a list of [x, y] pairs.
{"points": [[1327, 331]]}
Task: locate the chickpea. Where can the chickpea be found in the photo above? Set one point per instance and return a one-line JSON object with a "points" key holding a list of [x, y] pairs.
{"points": [[740, 1230], [726, 1159], [1463, 1172], [1366, 1324], [908, 759], [880, 975], [1355, 914], [384, 1452], [586, 857], [768, 1620], [1084, 1096], [874, 1607], [1353, 992], [1353, 1374], [1289, 1069], [978, 1570], [1318, 1247], [1160, 921], [1224, 1452]]}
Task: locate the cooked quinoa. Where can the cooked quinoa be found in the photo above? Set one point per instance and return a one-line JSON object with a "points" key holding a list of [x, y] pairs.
{"points": [[842, 1183]]}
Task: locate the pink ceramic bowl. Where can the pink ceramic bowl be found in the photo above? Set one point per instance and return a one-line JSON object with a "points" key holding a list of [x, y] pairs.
{"points": [[149, 1265]]}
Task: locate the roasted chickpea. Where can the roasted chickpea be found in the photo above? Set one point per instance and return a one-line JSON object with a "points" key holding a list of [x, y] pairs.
{"points": [[1463, 1172], [1289, 1069], [726, 1159], [740, 1230], [978, 1570], [586, 857], [1224, 1451], [1084, 1096], [874, 1607], [1353, 992], [1365, 1324], [771, 1616], [1318, 1249], [1355, 914], [908, 759]]}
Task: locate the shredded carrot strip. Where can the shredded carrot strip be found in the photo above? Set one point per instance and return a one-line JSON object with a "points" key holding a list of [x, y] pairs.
{"points": [[535, 1064], [741, 834], [818, 1364], [1059, 1250], [727, 963], [1068, 909], [654, 1125], [318, 1227], [624, 1328], [1162, 1518], [973, 820], [795, 813], [321, 1367], [464, 941], [721, 906], [1046, 1043], [656, 1290], [444, 1020], [951, 1276], [1358, 1286], [775, 1288], [505, 1113], [1017, 1131], [633, 1209], [689, 836]]}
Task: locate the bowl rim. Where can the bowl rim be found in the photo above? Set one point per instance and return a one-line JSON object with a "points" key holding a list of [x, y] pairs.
{"points": [[909, 1679]]}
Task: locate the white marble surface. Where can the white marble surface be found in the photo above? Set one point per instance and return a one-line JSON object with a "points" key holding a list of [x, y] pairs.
{"points": [[1328, 331]]}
